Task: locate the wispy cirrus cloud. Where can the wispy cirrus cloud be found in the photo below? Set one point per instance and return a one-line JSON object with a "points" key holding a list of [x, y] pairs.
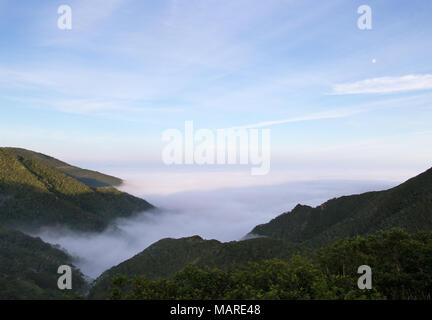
{"points": [[332, 114], [385, 85], [387, 103]]}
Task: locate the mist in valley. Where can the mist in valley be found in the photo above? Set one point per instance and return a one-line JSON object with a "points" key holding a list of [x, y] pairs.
{"points": [[224, 214]]}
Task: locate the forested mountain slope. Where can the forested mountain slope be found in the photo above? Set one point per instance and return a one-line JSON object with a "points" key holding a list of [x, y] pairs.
{"points": [[168, 256], [400, 265], [408, 206], [93, 179], [28, 268], [33, 194]]}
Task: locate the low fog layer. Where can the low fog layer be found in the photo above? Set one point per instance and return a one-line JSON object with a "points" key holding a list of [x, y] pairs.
{"points": [[225, 215]]}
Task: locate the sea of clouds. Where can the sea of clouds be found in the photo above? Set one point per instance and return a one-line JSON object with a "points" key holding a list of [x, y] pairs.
{"points": [[225, 214]]}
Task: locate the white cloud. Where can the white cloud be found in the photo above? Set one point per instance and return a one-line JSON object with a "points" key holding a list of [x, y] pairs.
{"points": [[224, 215], [346, 112], [385, 85], [333, 114]]}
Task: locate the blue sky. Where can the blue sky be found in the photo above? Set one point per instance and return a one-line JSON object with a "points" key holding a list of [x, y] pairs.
{"points": [[337, 99]]}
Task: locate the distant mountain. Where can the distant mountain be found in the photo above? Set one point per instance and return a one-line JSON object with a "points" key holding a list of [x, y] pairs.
{"points": [[28, 268], [92, 179], [35, 194], [408, 206], [168, 256]]}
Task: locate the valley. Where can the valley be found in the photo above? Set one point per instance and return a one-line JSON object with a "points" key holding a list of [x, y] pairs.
{"points": [[127, 236]]}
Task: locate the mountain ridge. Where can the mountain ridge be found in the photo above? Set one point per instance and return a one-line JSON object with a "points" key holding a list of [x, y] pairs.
{"points": [[34, 195], [167, 256], [407, 205], [91, 178]]}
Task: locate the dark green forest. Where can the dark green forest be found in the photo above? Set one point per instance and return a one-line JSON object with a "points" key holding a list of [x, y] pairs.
{"points": [[168, 256], [401, 266], [408, 205], [37, 191], [34, 194], [28, 268]]}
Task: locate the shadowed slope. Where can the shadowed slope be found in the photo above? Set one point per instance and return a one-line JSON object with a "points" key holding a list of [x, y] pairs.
{"points": [[28, 268], [168, 256], [408, 205]]}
